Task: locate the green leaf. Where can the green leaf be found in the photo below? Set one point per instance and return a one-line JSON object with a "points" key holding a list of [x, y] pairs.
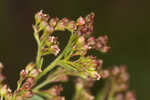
{"points": [[36, 97]]}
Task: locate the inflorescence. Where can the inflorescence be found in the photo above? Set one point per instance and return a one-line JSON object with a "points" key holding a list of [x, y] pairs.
{"points": [[86, 68]]}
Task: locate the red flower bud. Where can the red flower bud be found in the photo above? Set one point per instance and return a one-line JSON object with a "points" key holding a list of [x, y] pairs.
{"points": [[28, 94], [40, 16], [55, 49], [115, 71], [34, 72], [80, 21], [24, 73], [49, 29], [28, 84], [71, 26], [53, 22], [90, 17], [105, 73]]}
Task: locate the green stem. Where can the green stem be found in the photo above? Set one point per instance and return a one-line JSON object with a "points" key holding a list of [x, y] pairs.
{"points": [[48, 68], [44, 83], [69, 47], [111, 93], [36, 36], [2, 97], [78, 91], [103, 93], [38, 58], [42, 94], [18, 87], [55, 62]]}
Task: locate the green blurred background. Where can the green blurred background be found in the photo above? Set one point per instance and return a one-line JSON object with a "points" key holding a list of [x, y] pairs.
{"points": [[126, 22]]}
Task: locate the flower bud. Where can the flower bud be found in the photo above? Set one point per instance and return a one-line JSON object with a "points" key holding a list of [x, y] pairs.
{"points": [[121, 87], [24, 73], [80, 21], [35, 72], [91, 41], [71, 26], [105, 74], [105, 49], [130, 96], [52, 40], [43, 24], [60, 26], [28, 84], [115, 71], [84, 29], [30, 66], [28, 94], [81, 40], [49, 29], [101, 43], [40, 16], [90, 17], [96, 76], [65, 20], [55, 90], [55, 49], [102, 39], [53, 22], [124, 77]]}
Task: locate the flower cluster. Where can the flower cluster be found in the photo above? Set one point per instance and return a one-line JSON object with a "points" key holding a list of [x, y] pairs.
{"points": [[79, 44], [27, 81], [82, 89], [118, 77], [86, 67], [73, 60], [54, 92], [4, 89]]}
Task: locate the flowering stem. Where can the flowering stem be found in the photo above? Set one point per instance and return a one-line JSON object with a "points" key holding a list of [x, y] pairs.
{"points": [[44, 83], [42, 94], [55, 62], [103, 93], [48, 68], [18, 87], [38, 58], [77, 93], [36, 35], [111, 93]]}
